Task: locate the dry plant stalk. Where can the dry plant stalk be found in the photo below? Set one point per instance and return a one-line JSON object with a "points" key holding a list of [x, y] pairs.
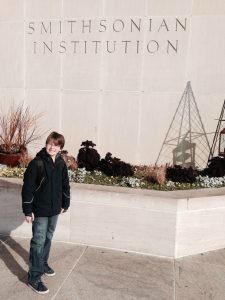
{"points": [[69, 160], [156, 174], [18, 128], [25, 158], [153, 173]]}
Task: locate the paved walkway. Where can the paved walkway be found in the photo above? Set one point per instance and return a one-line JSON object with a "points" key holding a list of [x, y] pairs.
{"points": [[89, 273]]}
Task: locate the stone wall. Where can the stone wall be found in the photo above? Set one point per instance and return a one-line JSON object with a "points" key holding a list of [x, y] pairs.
{"points": [[113, 71], [170, 224]]}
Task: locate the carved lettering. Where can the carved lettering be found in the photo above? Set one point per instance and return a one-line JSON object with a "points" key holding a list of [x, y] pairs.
{"points": [[46, 46], [184, 26], [170, 45], [152, 35], [35, 47], [152, 46], [96, 45], [102, 26], [114, 48], [137, 26], [125, 45], [75, 43], [71, 25], [46, 29], [31, 24], [88, 26], [163, 25], [62, 47], [118, 25]]}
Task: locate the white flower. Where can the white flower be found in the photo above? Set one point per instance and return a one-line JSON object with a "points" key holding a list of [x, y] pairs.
{"points": [[170, 183], [131, 182], [2, 167], [98, 173], [78, 175], [205, 181]]}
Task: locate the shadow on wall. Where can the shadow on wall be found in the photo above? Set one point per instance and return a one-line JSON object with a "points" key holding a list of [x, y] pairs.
{"points": [[11, 217]]}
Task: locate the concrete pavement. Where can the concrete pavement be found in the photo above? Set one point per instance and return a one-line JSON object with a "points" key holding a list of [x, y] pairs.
{"points": [[88, 273]]}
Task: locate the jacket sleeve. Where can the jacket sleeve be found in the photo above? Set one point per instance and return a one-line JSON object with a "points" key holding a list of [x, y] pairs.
{"points": [[29, 187], [65, 189]]}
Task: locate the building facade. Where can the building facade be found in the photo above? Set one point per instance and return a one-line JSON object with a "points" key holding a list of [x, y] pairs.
{"points": [[113, 71]]}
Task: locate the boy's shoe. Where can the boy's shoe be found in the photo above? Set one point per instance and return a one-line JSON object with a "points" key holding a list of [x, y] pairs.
{"points": [[38, 287], [48, 271]]}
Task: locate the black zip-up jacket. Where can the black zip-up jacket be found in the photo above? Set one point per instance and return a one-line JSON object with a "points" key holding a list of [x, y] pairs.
{"points": [[46, 186]]}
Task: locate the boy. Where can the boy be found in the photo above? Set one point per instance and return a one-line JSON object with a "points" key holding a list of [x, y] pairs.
{"points": [[45, 194]]}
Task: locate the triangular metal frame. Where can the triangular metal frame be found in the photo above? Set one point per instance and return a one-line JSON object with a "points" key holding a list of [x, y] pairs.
{"points": [[217, 132], [186, 130]]}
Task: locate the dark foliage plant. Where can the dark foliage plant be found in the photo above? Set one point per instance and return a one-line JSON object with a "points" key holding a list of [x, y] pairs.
{"points": [[113, 166], [88, 157], [216, 167], [181, 175]]}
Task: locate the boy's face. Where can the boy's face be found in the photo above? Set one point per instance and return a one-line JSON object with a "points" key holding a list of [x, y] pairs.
{"points": [[52, 149]]}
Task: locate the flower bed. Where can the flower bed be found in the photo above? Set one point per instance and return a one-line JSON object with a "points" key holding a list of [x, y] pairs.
{"points": [[80, 175]]}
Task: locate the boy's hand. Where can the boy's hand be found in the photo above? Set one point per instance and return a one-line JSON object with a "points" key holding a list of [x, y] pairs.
{"points": [[63, 210], [29, 219]]}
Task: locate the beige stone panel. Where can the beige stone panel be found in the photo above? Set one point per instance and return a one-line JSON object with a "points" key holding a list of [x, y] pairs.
{"points": [[168, 8], [156, 113], [46, 103], [98, 225], [43, 72], [122, 71], [43, 60], [206, 202], [11, 10], [123, 53], [10, 96], [82, 62], [200, 231], [165, 54], [208, 7], [79, 118], [119, 124], [12, 55], [206, 64], [137, 198], [11, 214], [42, 9], [81, 71], [82, 8], [119, 8]]}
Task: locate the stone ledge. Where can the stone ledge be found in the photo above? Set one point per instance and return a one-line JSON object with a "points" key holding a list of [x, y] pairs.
{"points": [[171, 224]]}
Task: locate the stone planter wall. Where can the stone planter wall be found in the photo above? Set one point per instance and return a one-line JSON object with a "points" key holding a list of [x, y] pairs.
{"points": [[170, 224]]}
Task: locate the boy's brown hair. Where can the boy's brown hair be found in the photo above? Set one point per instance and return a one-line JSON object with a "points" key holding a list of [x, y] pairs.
{"points": [[56, 138]]}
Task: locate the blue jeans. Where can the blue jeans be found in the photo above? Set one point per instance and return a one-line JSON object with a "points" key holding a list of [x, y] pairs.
{"points": [[40, 244]]}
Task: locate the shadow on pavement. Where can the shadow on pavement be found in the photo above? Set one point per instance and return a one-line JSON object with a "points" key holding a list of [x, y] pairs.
{"points": [[10, 261], [11, 217]]}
